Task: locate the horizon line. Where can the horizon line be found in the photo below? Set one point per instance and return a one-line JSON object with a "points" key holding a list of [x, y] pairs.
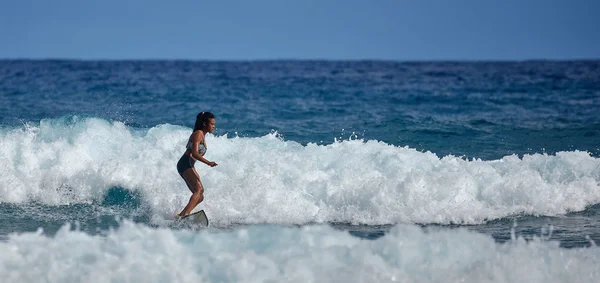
{"points": [[295, 59]]}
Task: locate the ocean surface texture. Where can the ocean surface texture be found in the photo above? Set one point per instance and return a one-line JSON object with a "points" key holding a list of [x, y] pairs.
{"points": [[329, 171]]}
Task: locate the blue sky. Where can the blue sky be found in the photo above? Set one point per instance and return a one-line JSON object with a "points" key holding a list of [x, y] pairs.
{"points": [[251, 30]]}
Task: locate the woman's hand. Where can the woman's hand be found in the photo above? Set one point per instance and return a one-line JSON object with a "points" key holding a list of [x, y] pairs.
{"points": [[212, 164]]}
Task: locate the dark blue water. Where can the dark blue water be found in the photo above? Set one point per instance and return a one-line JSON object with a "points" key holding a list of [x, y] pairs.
{"points": [[379, 171], [478, 111]]}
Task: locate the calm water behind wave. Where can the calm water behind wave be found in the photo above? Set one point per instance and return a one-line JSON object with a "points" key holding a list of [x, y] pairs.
{"points": [[476, 109]]}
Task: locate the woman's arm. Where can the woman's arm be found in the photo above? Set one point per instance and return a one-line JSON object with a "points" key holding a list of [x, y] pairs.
{"points": [[197, 139]]}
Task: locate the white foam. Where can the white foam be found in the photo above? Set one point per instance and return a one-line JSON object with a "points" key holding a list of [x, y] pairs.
{"points": [[268, 180], [136, 253]]}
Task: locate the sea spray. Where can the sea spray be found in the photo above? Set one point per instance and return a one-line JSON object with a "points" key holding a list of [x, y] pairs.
{"points": [[270, 180], [408, 253]]}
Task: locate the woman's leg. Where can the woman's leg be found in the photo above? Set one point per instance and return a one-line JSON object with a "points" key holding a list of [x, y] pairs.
{"points": [[193, 182]]}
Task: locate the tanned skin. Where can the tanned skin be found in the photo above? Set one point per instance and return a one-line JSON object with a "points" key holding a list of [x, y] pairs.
{"points": [[190, 175]]}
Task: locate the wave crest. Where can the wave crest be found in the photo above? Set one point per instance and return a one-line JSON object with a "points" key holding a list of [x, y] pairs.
{"points": [[269, 180]]}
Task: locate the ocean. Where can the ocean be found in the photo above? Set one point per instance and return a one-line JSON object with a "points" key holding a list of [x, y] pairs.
{"points": [[329, 171]]}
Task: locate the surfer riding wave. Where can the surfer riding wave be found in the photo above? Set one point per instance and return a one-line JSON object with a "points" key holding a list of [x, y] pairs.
{"points": [[195, 150]]}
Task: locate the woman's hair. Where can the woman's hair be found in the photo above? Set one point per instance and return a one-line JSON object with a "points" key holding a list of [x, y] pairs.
{"points": [[202, 118]]}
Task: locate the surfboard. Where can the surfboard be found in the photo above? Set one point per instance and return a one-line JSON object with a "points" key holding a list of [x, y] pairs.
{"points": [[196, 218]]}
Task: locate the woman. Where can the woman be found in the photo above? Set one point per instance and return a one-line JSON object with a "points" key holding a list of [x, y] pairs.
{"points": [[195, 150]]}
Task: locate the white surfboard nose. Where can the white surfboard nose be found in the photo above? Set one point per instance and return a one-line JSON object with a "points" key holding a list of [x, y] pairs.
{"points": [[197, 218]]}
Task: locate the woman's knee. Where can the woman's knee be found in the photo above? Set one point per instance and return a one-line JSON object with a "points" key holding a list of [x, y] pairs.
{"points": [[199, 188], [199, 195]]}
